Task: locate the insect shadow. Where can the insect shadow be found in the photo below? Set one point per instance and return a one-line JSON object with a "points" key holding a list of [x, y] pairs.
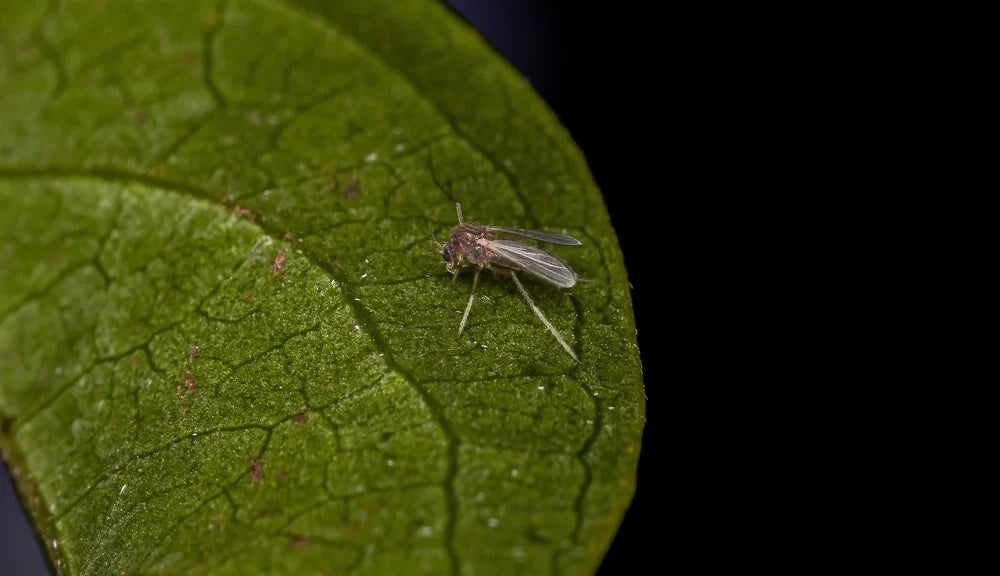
{"points": [[480, 246]]}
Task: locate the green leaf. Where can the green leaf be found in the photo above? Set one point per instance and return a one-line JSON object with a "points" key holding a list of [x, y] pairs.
{"points": [[228, 343]]}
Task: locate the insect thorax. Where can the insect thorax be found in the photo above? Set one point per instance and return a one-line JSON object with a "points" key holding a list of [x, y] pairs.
{"points": [[468, 241]]}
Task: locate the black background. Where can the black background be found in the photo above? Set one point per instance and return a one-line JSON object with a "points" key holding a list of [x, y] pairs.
{"points": [[580, 58]]}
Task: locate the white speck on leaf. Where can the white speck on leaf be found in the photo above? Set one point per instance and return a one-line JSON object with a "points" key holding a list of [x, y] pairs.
{"points": [[514, 473], [400, 147], [371, 158], [493, 522], [542, 388], [122, 491]]}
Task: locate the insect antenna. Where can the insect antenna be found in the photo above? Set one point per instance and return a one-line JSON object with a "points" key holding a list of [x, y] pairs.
{"points": [[436, 242], [541, 316], [458, 210], [468, 307]]}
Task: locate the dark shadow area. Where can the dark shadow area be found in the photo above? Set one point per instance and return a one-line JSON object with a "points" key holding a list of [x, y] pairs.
{"points": [[20, 550]]}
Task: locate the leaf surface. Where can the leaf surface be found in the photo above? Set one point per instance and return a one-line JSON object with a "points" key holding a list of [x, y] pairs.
{"points": [[227, 340]]}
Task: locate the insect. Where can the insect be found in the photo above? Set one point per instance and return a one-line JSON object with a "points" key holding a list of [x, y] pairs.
{"points": [[479, 246]]}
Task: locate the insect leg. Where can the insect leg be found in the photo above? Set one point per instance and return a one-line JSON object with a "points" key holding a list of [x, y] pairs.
{"points": [[541, 317], [458, 210], [454, 267], [468, 307]]}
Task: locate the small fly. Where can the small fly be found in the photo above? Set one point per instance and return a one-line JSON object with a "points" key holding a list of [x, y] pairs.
{"points": [[480, 247]]}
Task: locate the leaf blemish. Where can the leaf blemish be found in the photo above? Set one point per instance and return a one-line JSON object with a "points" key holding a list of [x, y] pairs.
{"points": [[256, 470], [301, 418], [298, 542], [353, 190], [244, 213], [279, 263]]}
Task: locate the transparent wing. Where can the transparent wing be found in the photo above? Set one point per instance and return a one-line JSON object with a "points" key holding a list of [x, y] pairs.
{"points": [[550, 237], [536, 261]]}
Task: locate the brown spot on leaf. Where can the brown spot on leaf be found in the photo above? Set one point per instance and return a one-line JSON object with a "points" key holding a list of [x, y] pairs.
{"points": [[190, 57], [352, 190], [194, 352], [279, 263], [244, 212], [189, 382], [256, 470], [247, 296], [298, 542], [301, 418]]}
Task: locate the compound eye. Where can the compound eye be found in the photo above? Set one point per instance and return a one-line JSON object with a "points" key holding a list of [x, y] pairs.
{"points": [[446, 253]]}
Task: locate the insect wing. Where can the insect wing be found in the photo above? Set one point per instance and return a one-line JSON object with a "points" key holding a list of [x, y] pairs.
{"points": [[532, 260], [550, 237]]}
